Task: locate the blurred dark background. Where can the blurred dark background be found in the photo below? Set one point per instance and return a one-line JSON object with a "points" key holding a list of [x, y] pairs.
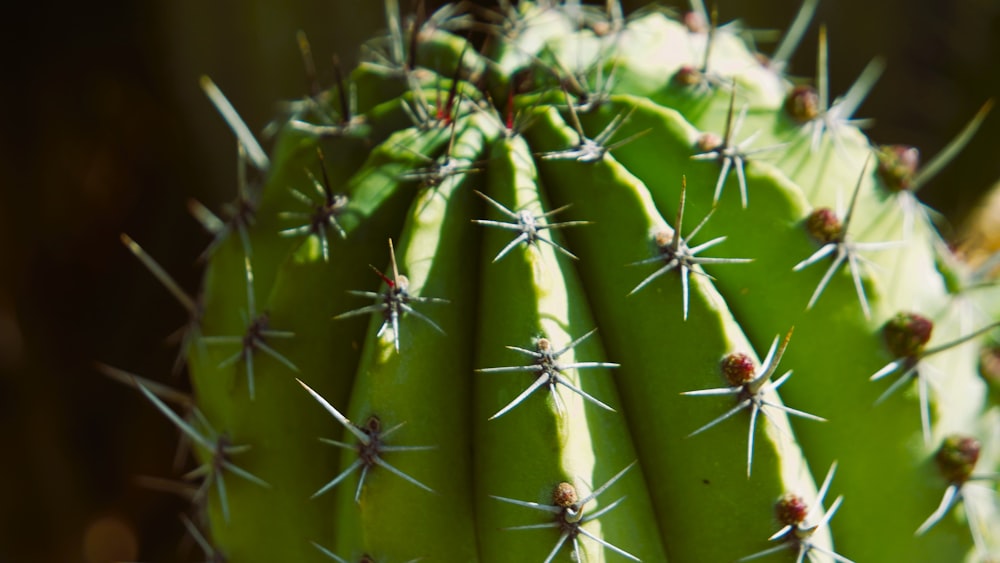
{"points": [[106, 131]]}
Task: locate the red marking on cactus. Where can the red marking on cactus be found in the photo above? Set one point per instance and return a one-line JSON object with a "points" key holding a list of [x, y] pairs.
{"points": [[509, 118], [957, 457], [394, 302], [385, 278], [906, 334], [446, 113], [791, 510], [443, 111], [802, 104], [738, 368], [824, 226], [897, 166]]}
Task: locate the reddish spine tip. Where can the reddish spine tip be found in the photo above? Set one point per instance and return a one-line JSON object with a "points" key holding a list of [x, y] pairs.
{"points": [[738, 368], [402, 282], [564, 495], [906, 334], [897, 166], [791, 510], [802, 104], [957, 457], [509, 118], [383, 276], [824, 226]]}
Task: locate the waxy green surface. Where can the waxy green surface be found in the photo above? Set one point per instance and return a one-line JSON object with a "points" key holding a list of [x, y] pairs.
{"points": [[688, 498]]}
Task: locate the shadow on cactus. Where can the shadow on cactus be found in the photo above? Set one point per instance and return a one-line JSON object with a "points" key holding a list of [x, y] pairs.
{"points": [[488, 389]]}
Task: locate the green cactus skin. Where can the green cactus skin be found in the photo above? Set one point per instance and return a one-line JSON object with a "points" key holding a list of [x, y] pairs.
{"points": [[535, 402]]}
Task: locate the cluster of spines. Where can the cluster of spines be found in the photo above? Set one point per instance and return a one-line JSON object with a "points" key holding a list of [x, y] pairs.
{"points": [[895, 168]]}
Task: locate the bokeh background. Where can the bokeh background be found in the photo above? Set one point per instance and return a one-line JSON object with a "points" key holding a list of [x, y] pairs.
{"points": [[105, 131]]}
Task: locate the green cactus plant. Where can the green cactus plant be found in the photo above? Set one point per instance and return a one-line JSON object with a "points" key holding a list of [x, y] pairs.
{"points": [[600, 247]]}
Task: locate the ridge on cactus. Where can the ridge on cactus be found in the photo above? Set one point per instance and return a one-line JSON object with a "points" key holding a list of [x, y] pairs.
{"points": [[458, 139]]}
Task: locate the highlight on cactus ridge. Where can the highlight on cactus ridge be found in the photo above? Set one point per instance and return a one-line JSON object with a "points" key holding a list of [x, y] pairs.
{"points": [[515, 381]]}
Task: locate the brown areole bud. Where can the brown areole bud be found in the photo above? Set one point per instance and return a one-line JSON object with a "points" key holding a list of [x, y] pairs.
{"points": [[564, 495], [802, 104], [957, 457], [897, 166], [906, 334], [791, 510], [738, 368], [824, 226]]}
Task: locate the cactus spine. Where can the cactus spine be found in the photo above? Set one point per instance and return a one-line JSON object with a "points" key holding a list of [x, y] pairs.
{"points": [[657, 210]]}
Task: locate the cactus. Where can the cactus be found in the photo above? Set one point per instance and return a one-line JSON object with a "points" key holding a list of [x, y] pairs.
{"points": [[540, 299]]}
